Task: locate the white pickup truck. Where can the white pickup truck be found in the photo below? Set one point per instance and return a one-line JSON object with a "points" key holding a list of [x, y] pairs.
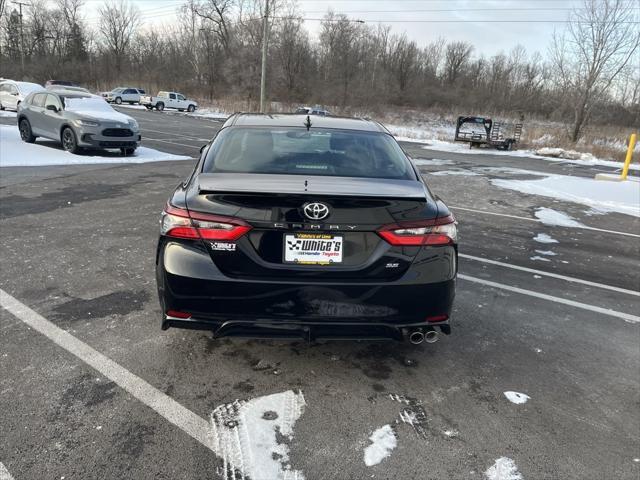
{"points": [[168, 100]]}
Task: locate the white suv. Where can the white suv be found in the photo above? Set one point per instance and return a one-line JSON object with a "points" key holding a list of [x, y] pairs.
{"points": [[12, 93], [124, 95]]}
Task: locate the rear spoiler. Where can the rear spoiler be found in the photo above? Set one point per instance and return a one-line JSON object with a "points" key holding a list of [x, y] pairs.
{"points": [[310, 185]]}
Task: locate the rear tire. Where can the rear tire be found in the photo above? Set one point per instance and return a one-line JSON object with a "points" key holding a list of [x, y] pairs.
{"points": [[1, 107], [160, 106], [26, 134], [118, 100], [181, 109], [69, 141], [191, 108]]}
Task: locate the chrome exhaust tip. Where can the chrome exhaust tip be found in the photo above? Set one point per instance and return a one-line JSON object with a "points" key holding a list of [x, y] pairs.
{"points": [[431, 336], [416, 337]]}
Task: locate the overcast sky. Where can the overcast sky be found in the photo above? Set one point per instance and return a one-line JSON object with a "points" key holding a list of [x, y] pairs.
{"points": [[471, 20]]}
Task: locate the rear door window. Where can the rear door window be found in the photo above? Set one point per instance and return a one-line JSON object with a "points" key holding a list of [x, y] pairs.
{"points": [[39, 99]]}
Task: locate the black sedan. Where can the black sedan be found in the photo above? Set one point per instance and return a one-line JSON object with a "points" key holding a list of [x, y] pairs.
{"points": [[313, 227]]}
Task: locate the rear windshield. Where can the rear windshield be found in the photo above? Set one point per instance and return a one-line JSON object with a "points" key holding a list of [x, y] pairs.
{"points": [[296, 151]]}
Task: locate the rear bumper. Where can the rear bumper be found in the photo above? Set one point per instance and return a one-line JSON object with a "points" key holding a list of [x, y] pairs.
{"points": [[189, 282]]}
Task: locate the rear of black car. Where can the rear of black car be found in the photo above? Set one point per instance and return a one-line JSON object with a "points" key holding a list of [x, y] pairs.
{"points": [[286, 229]]}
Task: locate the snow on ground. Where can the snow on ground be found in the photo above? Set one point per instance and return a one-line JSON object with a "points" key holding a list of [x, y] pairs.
{"points": [[552, 217], [549, 253], [503, 469], [544, 238], [7, 114], [460, 172], [134, 106], [208, 113], [539, 258], [516, 397], [16, 153], [248, 436], [434, 162], [621, 197], [383, 441]]}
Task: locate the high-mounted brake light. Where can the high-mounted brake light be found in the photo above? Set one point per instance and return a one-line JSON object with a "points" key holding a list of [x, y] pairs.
{"points": [[438, 231], [180, 223]]}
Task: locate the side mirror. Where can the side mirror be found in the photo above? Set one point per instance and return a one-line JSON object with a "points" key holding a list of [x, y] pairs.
{"points": [[203, 147], [53, 108]]}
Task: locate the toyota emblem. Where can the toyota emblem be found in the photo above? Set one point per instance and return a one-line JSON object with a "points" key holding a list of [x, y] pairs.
{"points": [[316, 211]]}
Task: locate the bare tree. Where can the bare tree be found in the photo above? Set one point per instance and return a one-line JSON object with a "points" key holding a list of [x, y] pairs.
{"points": [[599, 42], [456, 56], [119, 22]]}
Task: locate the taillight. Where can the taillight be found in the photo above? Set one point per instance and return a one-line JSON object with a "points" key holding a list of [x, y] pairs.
{"points": [[180, 223], [437, 231]]}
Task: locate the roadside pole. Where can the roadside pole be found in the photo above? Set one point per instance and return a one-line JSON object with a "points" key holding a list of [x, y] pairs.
{"points": [[265, 37], [20, 4], [627, 161]]}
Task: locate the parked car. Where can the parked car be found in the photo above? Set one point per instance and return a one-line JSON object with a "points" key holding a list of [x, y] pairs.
{"points": [[63, 83], [13, 93], [168, 100], [77, 120], [123, 95], [306, 228], [313, 111], [67, 88]]}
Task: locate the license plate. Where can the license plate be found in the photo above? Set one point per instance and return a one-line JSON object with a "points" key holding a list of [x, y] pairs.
{"points": [[312, 248]]}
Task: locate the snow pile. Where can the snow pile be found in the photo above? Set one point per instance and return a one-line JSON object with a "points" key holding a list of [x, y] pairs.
{"points": [[503, 469], [549, 216], [16, 153], [621, 197], [7, 114], [544, 238], [562, 153], [383, 441], [516, 397], [248, 435]]}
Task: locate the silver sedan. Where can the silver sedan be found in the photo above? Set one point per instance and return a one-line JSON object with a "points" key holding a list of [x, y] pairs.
{"points": [[78, 121]]}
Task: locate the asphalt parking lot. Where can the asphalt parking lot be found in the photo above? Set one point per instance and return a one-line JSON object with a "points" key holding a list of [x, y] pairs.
{"points": [[115, 397]]}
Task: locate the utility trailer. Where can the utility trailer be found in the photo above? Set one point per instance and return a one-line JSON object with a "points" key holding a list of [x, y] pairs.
{"points": [[479, 131]]}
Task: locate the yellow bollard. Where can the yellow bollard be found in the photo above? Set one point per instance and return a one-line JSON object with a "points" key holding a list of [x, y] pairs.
{"points": [[627, 161]]}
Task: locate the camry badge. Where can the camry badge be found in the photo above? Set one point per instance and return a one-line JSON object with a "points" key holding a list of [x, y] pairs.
{"points": [[316, 211]]}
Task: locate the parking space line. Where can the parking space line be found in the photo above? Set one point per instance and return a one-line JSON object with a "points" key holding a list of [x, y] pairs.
{"points": [[195, 138], [165, 406], [584, 306], [549, 274], [584, 227], [4, 473], [172, 143]]}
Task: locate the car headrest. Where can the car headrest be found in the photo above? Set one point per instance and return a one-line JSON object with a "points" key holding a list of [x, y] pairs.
{"points": [[340, 142]]}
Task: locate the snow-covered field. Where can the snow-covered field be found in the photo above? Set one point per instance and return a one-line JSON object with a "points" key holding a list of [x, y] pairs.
{"points": [[16, 153]]}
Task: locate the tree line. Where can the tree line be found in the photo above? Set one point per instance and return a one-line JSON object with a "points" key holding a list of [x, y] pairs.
{"points": [[211, 49]]}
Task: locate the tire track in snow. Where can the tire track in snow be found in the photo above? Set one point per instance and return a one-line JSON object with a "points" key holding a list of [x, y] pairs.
{"points": [[250, 436]]}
